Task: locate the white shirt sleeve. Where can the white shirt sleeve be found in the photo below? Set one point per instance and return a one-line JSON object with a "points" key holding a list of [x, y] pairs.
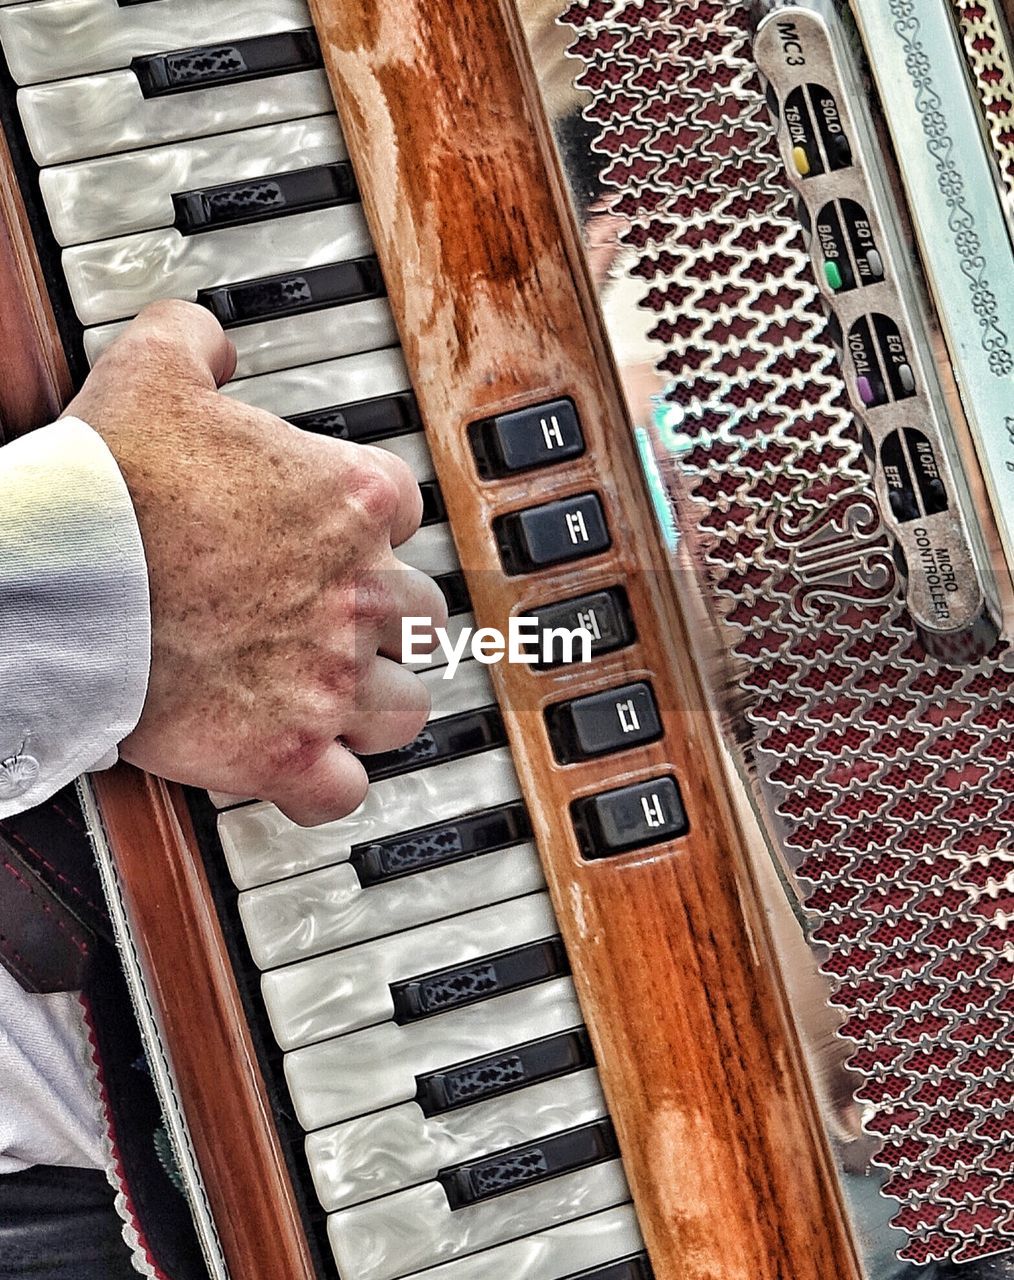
{"points": [[75, 623]]}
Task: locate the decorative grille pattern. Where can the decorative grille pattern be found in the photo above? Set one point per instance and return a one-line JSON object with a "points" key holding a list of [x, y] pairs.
{"points": [[890, 777]]}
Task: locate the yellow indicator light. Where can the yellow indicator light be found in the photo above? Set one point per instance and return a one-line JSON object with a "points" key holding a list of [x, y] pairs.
{"points": [[801, 160]]}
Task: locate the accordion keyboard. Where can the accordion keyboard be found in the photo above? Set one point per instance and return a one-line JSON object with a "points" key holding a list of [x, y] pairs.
{"points": [[413, 972]]}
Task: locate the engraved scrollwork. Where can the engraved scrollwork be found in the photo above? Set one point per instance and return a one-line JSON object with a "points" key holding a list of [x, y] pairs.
{"points": [[961, 221]]}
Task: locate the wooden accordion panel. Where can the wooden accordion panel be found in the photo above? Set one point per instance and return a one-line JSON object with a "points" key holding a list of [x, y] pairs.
{"points": [[728, 1160]]}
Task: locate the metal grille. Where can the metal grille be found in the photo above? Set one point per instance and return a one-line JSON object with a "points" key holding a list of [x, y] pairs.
{"points": [[890, 778], [979, 26]]}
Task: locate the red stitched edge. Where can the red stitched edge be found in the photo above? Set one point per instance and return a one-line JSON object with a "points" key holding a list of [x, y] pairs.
{"points": [[17, 838], [80, 943], [118, 1172], [14, 955], [72, 819]]}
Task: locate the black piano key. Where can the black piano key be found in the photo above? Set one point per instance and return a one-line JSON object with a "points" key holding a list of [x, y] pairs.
{"points": [[524, 1166], [215, 64], [292, 292], [233, 204], [434, 511], [636, 1267], [480, 979], [440, 844], [451, 738], [364, 421], [504, 1072], [455, 592]]}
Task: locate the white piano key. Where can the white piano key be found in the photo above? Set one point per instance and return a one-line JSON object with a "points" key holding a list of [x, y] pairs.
{"points": [[329, 908], [51, 39], [460, 622], [115, 278], [327, 383], [102, 114], [262, 845], [557, 1254], [339, 1079], [469, 689], [398, 1234], [117, 195], [431, 549], [414, 452], [348, 990], [387, 1150], [293, 340]]}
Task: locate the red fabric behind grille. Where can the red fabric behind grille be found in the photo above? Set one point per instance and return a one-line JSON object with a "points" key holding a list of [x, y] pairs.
{"points": [[890, 775]]}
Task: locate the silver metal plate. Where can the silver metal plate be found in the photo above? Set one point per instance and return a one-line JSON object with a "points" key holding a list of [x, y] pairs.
{"points": [[882, 777]]}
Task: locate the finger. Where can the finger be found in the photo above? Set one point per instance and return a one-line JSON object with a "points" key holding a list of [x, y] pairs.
{"points": [[184, 336], [391, 707], [329, 788], [412, 595], [409, 507]]}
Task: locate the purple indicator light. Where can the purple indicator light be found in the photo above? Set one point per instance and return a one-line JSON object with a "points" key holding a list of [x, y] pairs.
{"points": [[866, 393]]}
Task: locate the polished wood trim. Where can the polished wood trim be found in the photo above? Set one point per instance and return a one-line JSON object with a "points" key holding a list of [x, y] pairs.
{"points": [[35, 381], [166, 893], [669, 949], [189, 980]]}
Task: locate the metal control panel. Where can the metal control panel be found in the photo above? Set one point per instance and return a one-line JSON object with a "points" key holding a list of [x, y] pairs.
{"points": [[882, 325]]}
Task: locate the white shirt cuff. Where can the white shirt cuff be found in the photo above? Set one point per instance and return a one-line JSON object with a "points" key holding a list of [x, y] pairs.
{"points": [[75, 622]]}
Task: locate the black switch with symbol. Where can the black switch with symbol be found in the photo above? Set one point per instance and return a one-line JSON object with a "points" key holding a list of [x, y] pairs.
{"points": [[629, 818], [602, 722], [552, 534], [605, 615], [527, 438]]}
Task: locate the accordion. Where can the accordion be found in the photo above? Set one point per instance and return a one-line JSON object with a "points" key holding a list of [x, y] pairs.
{"points": [[685, 956]]}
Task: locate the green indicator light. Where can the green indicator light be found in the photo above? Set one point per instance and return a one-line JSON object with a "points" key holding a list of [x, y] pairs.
{"points": [[832, 274]]}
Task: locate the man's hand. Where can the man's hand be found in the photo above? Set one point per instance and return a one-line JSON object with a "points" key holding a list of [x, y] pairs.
{"points": [[276, 597]]}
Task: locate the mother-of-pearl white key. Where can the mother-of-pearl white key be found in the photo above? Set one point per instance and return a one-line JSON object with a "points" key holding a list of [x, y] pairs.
{"points": [[328, 382], [574, 1249], [51, 39], [266, 345], [431, 549], [377, 1067], [395, 1235], [103, 114], [368, 375], [345, 381], [387, 1150], [310, 914], [470, 689], [262, 845], [346, 990], [115, 278], [117, 195]]}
